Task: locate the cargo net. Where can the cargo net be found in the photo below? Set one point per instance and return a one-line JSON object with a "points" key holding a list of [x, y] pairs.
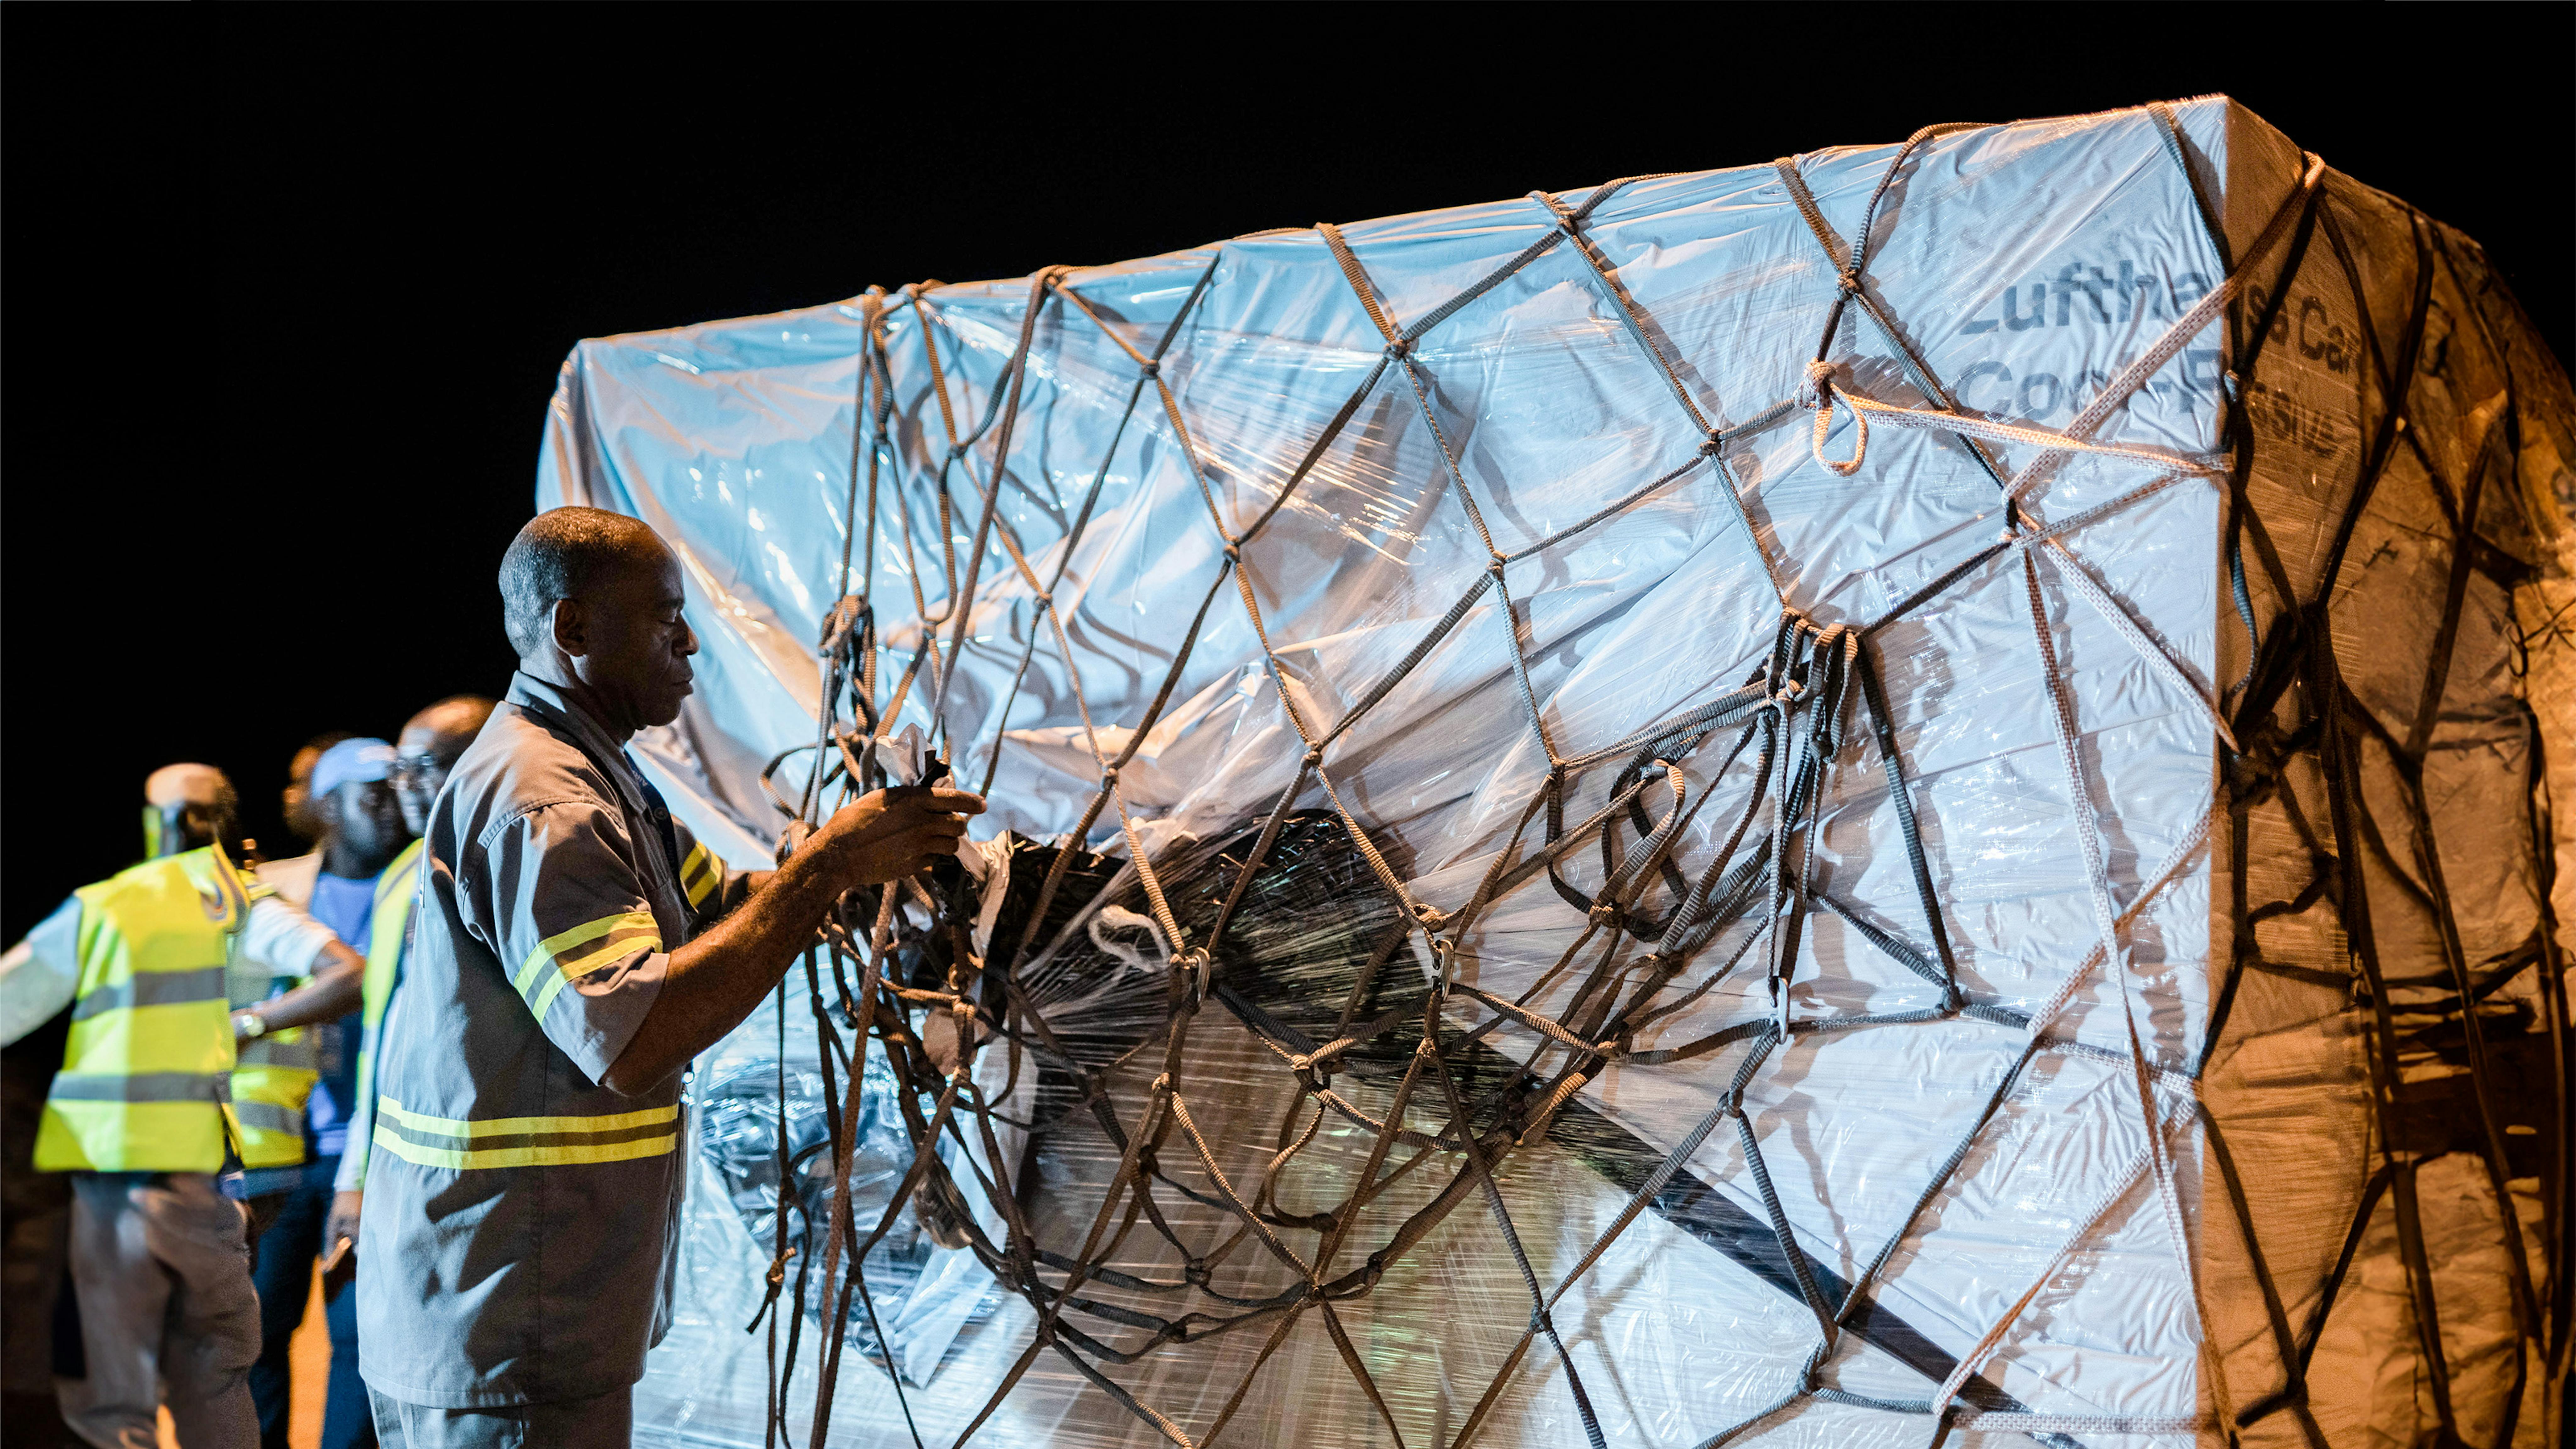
{"points": [[1097, 975]]}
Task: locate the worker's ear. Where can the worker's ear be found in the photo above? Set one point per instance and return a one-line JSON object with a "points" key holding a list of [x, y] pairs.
{"points": [[571, 624]]}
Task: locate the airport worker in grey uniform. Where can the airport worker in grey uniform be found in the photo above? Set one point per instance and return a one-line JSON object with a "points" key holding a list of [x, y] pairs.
{"points": [[574, 949]]}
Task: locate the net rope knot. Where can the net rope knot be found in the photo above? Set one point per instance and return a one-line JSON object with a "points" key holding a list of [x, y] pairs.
{"points": [[841, 623], [1820, 388]]}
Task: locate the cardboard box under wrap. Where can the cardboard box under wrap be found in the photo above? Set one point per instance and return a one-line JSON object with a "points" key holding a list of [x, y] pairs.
{"points": [[2205, 567]]}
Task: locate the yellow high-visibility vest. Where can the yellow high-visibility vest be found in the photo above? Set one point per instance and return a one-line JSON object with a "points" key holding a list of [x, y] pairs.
{"points": [[396, 889], [150, 1081], [272, 1086]]}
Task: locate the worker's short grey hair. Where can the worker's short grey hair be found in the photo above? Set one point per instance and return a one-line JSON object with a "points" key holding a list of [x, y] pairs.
{"points": [[559, 555]]}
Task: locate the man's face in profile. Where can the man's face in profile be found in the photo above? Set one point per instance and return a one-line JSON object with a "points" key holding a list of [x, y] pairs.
{"points": [[639, 641]]}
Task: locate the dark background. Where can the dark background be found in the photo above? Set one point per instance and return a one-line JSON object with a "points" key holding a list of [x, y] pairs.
{"points": [[285, 290]]}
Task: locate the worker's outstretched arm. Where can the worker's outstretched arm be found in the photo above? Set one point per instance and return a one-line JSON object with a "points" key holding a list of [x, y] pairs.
{"points": [[715, 981], [338, 983]]}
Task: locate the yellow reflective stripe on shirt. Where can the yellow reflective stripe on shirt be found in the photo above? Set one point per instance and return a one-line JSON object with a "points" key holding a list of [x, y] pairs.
{"points": [[624, 933], [412, 1152], [700, 874], [499, 1141], [521, 1126]]}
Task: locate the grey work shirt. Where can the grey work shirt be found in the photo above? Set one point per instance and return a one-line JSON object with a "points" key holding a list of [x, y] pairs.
{"points": [[521, 1227]]}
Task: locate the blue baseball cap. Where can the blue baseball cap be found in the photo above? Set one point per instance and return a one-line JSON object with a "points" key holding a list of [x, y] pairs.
{"points": [[360, 760]]}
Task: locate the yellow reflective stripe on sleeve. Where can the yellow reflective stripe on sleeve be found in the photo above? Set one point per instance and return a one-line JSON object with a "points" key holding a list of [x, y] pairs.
{"points": [[638, 927], [576, 967], [394, 1111], [615, 951], [700, 875]]}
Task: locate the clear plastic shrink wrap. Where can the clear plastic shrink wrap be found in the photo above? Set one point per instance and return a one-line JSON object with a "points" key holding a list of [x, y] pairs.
{"points": [[1972, 813]]}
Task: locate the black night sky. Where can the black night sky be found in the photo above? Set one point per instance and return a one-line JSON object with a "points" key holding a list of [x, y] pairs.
{"points": [[287, 288]]}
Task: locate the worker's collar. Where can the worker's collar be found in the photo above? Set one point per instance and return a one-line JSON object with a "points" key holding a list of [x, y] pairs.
{"points": [[559, 706]]}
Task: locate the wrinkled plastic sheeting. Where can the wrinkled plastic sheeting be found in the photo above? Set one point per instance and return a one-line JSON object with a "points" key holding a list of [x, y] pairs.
{"points": [[2028, 265]]}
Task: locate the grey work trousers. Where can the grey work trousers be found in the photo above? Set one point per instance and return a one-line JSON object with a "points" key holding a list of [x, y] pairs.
{"points": [[161, 1264], [605, 1422]]}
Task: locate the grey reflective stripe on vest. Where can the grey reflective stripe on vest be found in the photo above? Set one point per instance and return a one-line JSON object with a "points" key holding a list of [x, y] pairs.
{"points": [[153, 988], [141, 1087], [268, 1117], [268, 1051]]}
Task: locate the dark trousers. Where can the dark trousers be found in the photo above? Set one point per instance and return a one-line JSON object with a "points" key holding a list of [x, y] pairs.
{"points": [[284, 1276], [348, 1420]]}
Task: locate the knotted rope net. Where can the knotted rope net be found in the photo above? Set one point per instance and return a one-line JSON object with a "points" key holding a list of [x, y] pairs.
{"points": [[1122, 985]]}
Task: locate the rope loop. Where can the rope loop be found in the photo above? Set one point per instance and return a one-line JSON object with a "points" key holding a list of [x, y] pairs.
{"points": [[1606, 912], [1850, 280], [1314, 756], [1820, 380], [1150, 368], [1444, 961], [1713, 444], [1399, 349]]}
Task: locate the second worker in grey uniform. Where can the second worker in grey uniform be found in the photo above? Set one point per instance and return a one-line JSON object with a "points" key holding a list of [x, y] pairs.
{"points": [[575, 949]]}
